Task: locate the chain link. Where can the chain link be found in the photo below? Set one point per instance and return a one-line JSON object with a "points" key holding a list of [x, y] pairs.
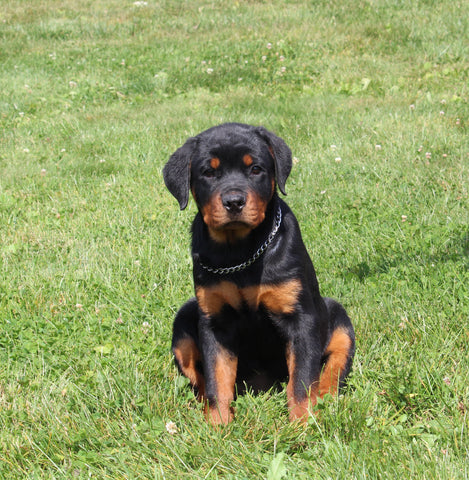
{"points": [[259, 252]]}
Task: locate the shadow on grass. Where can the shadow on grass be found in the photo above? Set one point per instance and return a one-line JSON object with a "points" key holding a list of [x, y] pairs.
{"points": [[454, 249]]}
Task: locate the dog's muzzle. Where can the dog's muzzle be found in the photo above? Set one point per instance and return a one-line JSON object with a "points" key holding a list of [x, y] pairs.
{"points": [[234, 202]]}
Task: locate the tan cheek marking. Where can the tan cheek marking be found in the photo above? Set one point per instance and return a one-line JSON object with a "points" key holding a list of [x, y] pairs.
{"points": [[214, 215], [213, 212], [338, 351], [247, 160], [278, 299], [215, 162], [254, 211], [226, 366], [213, 299]]}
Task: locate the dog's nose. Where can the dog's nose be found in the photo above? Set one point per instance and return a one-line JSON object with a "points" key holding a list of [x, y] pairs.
{"points": [[234, 202]]}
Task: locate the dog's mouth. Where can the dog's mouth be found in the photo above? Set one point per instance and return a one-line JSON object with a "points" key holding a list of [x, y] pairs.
{"points": [[230, 232], [234, 225], [247, 218]]}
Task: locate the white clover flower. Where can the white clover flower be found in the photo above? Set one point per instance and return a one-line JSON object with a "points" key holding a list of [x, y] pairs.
{"points": [[171, 428]]}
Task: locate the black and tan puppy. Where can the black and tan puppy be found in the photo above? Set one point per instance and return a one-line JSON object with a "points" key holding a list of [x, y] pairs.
{"points": [[258, 317]]}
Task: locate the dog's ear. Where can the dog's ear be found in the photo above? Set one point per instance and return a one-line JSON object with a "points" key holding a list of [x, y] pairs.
{"points": [[281, 153], [177, 172]]}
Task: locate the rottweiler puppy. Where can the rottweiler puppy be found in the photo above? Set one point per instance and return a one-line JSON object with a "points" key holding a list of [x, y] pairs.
{"points": [[257, 317]]}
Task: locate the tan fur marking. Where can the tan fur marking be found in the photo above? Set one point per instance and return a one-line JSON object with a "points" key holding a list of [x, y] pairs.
{"points": [[299, 408], [215, 217], [229, 236], [247, 160], [276, 298], [338, 351], [212, 299], [290, 357], [214, 212], [281, 298], [215, 162], [187, 355], [220, 222], [254, 211], [225, 375]]}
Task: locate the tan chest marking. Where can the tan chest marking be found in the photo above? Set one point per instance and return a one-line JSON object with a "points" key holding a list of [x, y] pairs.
{"points": [[281, 298], [212, 299]]}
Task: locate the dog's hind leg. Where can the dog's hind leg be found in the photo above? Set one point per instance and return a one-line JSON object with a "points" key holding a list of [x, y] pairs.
{"points": [[185, 346]]}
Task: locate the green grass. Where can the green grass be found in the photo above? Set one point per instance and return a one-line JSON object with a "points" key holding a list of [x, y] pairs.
{"points": [[372, 97]]}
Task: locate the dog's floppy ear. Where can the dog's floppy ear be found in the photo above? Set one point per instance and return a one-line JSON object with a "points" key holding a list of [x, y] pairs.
{"points": [[282, 156], [177, 172]]}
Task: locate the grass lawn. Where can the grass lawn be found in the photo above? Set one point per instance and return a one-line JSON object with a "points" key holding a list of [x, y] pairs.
{"points": [[373, 98]]}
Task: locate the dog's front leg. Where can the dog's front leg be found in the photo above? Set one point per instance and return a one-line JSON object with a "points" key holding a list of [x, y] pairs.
{"points": [[220, 368], [303, 362]]}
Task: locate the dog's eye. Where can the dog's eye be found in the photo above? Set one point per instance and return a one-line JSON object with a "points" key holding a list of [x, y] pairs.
{"points": [[256, 170], [209, 173]]}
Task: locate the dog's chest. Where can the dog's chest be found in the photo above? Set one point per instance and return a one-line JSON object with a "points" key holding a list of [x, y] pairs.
{"points": [[279, 298]]}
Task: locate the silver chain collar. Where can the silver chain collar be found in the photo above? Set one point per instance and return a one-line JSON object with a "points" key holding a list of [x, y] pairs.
{"points": [[259, 252]]}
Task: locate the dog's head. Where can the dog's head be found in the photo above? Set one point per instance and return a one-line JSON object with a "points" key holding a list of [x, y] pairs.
{"points": [[232, 171]]}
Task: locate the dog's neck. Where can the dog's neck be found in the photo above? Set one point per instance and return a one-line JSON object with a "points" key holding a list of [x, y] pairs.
{"points": [[260, 238]]}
